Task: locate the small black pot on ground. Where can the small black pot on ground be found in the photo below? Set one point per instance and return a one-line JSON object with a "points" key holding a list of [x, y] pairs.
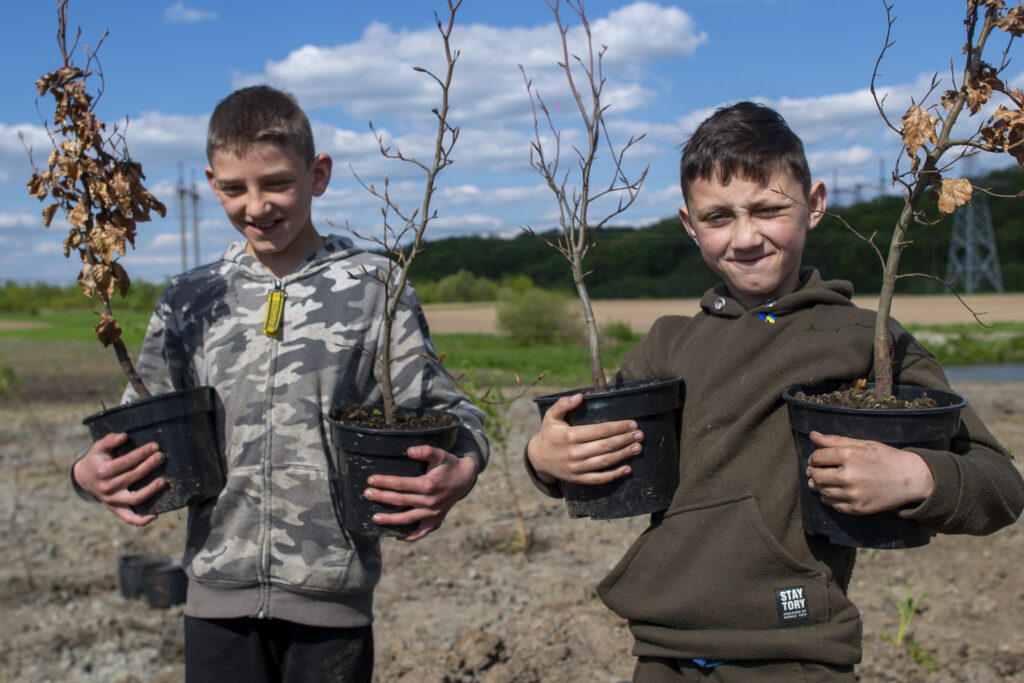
{"points": [[182, 423], [901, 428], [358, 452], [654, 474], [131, 572], [166, 585]]}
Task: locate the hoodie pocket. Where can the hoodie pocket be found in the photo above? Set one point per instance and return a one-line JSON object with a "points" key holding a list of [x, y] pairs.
{"points": [[715, 567], [307, 547]]}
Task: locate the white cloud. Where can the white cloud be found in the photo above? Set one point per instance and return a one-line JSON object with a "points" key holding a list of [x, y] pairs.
{"points": [[375, 74], [20, 221], [178, 13]]}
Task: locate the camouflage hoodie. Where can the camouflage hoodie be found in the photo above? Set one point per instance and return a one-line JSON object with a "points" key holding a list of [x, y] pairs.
{"points": [[270, 545]]}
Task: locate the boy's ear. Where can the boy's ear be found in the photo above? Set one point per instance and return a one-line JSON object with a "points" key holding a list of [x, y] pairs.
{"points": [[212, 180], [322, 166], [684, 216], [817, 201]]}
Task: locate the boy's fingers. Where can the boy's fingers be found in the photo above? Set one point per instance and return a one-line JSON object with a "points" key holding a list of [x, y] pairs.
{"points": [[832, 440], [592, 455], [627, 429], [602, 476], [560, 408], [137, 458], [126, 514], [430, 454]]}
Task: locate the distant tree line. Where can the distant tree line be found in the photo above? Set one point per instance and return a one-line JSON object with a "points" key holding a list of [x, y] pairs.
{"points": [[36, 298], [659, 261]]}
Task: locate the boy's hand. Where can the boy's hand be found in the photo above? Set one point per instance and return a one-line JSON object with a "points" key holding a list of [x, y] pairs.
{"points": [[581, 454], [448, 478], [859, 477], [107, 478]]}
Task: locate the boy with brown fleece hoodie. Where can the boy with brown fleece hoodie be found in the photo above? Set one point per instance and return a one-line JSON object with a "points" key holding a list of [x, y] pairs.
{"points": [[707, 587]]}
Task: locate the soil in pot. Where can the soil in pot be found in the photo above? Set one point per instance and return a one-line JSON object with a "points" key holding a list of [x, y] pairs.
{"points": [[649, 487], [359, 451], [182, 423], [931, 424]]}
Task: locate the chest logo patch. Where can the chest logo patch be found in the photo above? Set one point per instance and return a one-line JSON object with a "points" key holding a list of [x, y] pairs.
{"points": [[792, 604]]}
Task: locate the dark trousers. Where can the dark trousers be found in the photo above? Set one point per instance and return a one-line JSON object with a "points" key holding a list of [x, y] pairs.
{"points": [[275, 651], [657, 670]]}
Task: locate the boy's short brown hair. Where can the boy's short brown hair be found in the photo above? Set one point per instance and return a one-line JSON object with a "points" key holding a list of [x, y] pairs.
{"points": [[259, 114], [745, 139]]}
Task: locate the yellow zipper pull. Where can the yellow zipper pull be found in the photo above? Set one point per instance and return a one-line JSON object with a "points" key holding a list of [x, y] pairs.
{"points": [[275, 310]]}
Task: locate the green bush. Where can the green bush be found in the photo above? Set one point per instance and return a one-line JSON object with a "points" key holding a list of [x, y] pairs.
{"points": [[464, 286], [539, 316]]}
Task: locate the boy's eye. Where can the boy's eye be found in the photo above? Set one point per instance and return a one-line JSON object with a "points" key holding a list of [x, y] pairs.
{"points": [[232, 190], [769, 211]]}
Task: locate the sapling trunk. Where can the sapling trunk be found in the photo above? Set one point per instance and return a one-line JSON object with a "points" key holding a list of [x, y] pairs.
{"points": [[593, 339]]}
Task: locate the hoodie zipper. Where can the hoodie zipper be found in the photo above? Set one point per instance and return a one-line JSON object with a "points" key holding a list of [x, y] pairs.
{"points": [[272, 321]]}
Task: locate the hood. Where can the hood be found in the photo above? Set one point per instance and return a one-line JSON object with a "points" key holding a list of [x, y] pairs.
{"points": [[335, 248], [812, 290]]}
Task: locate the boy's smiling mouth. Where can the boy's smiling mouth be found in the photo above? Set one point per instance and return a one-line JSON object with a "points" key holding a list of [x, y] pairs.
{"points": [[264, 228]]}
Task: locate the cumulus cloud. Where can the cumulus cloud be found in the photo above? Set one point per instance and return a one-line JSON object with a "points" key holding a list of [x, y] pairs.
{"points": [[179, 14], [375, 73]]}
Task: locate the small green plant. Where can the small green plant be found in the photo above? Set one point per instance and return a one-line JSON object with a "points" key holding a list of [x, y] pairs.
{"points": [[908, 608], [8, 380]]}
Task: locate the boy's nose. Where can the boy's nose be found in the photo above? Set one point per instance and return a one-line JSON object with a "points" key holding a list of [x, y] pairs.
{"points": [[256, 205], [746, 233]]}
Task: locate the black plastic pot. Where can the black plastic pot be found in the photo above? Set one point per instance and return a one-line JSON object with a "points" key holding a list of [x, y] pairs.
{"points": [[165, 585], [923, 427], [359, 452], [182, 423], [654, 474], [131, 572]]}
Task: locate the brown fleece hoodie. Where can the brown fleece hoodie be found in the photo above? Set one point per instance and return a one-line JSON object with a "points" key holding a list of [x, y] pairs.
{"points": [[727, 571]]}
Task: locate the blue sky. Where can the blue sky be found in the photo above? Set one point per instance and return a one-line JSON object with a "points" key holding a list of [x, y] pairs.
{"points": [[668, 65]]}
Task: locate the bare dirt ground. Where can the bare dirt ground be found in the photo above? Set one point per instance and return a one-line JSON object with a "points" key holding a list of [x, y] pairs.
{"points": [[461, 605], [639, 314]]}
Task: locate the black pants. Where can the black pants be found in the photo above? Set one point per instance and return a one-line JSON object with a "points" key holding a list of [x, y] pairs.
{"points": [[272, 651]]}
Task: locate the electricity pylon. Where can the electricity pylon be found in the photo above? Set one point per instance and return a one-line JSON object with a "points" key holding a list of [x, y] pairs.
{"points": [[972, 248]]}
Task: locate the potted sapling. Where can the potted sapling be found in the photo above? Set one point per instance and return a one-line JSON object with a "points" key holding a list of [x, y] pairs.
{"points": [[653, 402], [90, 178], [373, 439], [896, 414]]}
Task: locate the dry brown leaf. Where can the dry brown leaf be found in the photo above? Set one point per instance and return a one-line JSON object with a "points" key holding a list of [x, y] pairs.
{"points": [[955, 192], [121, 279], [1012, 22], [108, 331], [918, 128], [48, 214]]}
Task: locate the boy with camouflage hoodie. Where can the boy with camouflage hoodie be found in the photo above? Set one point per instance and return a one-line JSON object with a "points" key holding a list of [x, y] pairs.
{"points": [[277, 590], [725, 585]]}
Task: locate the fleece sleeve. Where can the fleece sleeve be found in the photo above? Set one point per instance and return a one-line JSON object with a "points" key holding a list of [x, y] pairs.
{"points": [[978, 487]]}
